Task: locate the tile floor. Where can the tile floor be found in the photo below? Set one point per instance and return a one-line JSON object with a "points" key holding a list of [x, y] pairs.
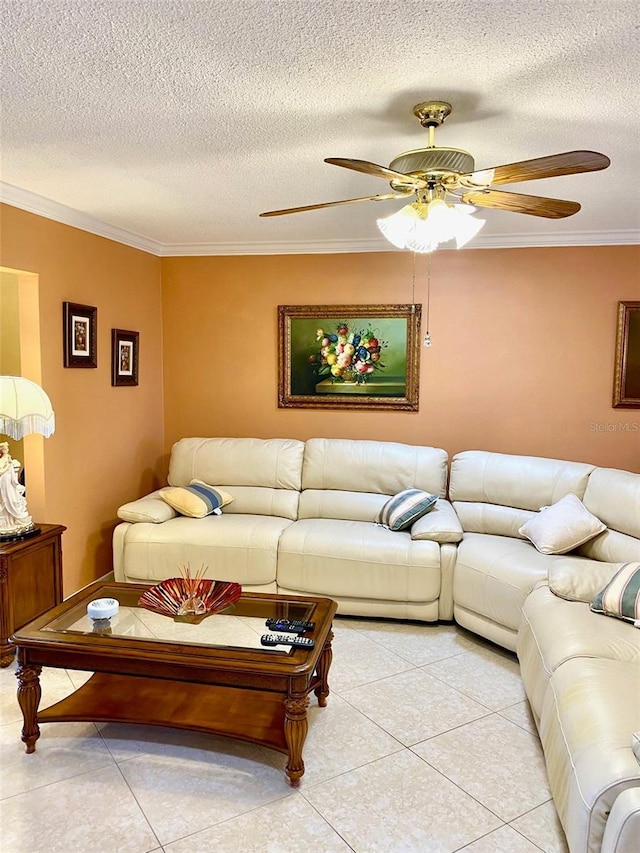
{"points": [[426, 745]]}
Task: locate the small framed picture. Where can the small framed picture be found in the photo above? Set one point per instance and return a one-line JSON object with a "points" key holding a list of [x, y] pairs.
{"points": [[79, 330], [124, 357]]}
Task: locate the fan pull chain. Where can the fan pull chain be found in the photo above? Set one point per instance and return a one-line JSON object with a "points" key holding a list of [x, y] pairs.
{"points": [[426, 341], [413, 281], [427, 335]]}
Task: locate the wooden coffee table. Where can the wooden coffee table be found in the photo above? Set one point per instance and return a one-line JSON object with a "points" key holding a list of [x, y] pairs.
{"points": [[212, 677]]}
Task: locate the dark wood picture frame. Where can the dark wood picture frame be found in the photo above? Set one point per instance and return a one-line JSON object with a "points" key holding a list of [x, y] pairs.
{"points": [[626, 378], [80, 335], [371, 360], [124, 357]]}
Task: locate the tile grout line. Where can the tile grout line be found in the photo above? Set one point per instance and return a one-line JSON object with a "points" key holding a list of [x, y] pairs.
{"points": [[469, 696], [290, 793], [330, 825], [469, 794]]}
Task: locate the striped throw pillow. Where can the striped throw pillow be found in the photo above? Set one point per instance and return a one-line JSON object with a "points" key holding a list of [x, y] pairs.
{"points": [[403, 509], [621, 596], [196, 500]]}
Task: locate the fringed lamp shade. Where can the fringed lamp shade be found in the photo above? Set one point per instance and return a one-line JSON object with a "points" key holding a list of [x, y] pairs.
{"points": [[24, 408]]}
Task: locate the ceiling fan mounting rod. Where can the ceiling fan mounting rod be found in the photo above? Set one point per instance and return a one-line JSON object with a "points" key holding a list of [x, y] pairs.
{"points": [[432, 114]]}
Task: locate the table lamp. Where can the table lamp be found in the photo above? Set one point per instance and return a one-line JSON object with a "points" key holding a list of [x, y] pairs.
{"points": [[24, 409]]}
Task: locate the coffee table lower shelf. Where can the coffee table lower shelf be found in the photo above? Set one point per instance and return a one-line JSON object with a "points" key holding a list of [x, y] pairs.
{"points": [[242, 713]]}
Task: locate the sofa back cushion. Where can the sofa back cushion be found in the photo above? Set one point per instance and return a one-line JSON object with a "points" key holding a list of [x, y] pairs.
{"points": [[263, 475], [377, 467], [497, 492], [333, 503], [614, 497], [258, 500], [492, 518]]}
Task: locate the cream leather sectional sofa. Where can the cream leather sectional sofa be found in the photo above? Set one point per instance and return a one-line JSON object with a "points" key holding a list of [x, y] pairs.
{"points": [[581, 670], [302, 522]]}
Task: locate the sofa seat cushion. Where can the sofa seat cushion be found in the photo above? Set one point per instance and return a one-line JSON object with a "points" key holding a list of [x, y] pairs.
{"points": [[494, 575], [554, 631], [587, 719], [240, 548], [355, 559]]}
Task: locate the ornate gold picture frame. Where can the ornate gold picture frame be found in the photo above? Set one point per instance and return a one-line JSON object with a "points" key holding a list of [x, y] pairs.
{"points": [[349, 356], [626, 381]]}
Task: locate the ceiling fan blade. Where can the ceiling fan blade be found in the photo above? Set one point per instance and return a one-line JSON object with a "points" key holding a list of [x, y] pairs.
{"points": [[535, 205], [553, 166], [375, 170], [332, 204]]}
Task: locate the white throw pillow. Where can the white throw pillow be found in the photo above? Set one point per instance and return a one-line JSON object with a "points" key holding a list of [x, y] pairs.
{"points": [[562, 527]]}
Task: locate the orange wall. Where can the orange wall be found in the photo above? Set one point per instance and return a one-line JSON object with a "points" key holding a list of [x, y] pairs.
{"points": [[108, 441], [522, 359], [521, 362]]}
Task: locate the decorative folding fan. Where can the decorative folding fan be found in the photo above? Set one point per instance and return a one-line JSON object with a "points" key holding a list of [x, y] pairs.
{"points": [[190, 599]]}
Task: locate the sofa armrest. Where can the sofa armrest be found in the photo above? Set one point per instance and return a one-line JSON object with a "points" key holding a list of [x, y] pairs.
{"points": [[440, 524], [580, 579], [119, 535], [150, 509]]}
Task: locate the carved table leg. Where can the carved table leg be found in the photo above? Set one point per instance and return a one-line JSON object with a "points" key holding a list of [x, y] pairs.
{"points": [[324, 662], [29, 692], [295, 732]]}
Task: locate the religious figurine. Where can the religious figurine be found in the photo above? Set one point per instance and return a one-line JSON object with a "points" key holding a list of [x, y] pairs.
{"points": [[14, 518]]}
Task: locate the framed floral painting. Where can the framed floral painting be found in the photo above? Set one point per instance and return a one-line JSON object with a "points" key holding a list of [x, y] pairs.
{"points": [[79, 331], [349, 356]]}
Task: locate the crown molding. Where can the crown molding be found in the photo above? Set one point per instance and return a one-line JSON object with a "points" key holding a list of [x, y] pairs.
{"points": [[38, 204], [41, 206], [321, 247]]}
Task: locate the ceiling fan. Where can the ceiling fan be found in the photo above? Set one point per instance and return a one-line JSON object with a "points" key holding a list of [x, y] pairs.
{"points": [[437, 175]]}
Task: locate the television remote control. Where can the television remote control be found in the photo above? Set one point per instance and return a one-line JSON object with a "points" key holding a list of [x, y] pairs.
{"points": [[295, 626], [286, 640]]}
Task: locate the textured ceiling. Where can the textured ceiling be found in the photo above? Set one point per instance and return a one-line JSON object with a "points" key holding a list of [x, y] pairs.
{"points": [[180, 121]]}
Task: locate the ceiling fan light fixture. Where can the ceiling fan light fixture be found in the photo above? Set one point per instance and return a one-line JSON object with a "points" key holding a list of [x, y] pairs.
{"points": [[422, 227], [398, 227], [467, 227]]}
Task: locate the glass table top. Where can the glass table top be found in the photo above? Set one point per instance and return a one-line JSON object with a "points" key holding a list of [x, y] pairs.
{"points": [[239, 626]]}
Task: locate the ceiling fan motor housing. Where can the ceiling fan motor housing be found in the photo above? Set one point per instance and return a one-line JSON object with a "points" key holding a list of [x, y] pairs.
{"points": [[436, 164]]}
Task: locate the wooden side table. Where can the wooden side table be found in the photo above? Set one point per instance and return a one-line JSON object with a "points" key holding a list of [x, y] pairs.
{"points": [[30, 582]]}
